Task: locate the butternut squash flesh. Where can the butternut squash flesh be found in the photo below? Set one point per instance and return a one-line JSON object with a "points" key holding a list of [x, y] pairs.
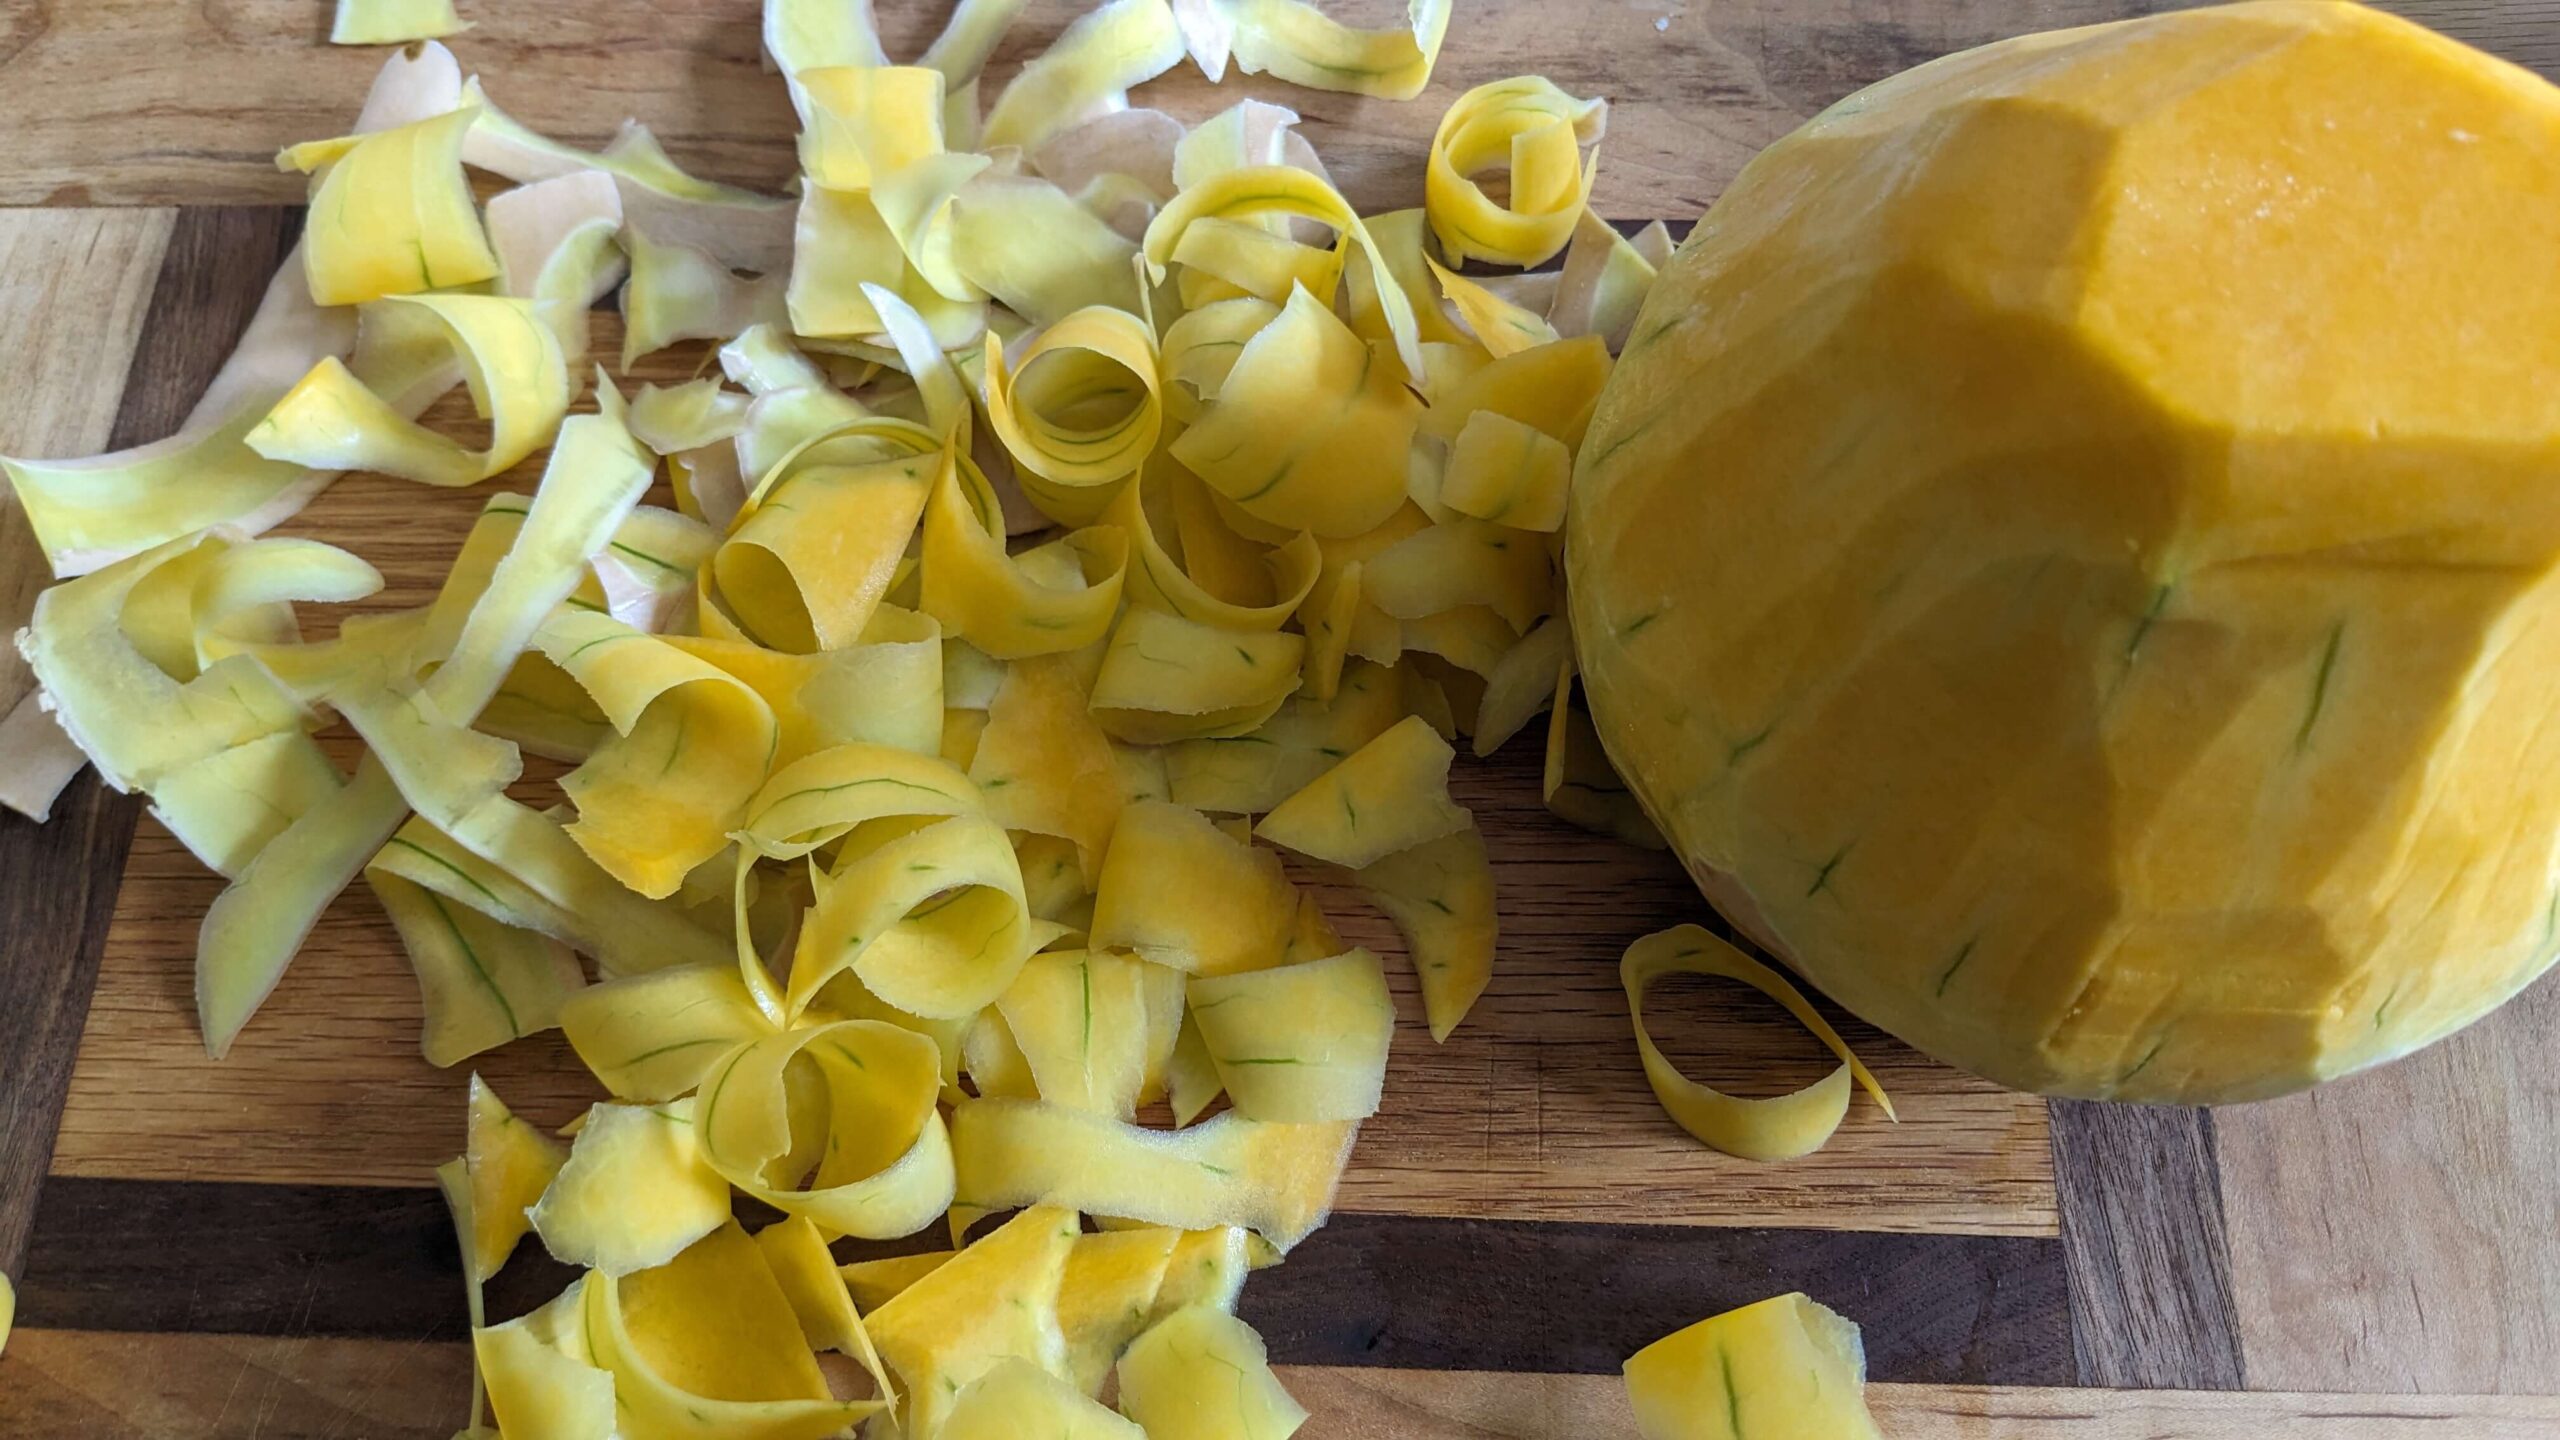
{"points": [[2068, 553]]}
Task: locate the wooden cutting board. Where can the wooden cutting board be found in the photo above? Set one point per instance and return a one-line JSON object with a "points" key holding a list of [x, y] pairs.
{"points": [[252, 1247]]}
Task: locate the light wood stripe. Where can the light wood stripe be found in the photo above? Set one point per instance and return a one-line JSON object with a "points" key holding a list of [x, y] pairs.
{"points": [[241, 1387], [2393, 1231], [77, 282]]}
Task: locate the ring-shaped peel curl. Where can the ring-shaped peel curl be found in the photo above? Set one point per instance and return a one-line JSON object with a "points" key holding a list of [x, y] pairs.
{"points": [[1160, 582], [819, 798], [1538, 131], [1781, 1127], [1006, 605], [1079, 407], [931, 918], [1282, 190], [691, 743], [511, 360], [882, 1158]]}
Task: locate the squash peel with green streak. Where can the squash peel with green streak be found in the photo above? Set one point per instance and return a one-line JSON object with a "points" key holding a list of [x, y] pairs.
{"points": [[2068, 552]]}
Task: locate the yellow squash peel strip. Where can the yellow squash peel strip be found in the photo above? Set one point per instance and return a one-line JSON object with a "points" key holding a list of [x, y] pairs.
{"points": [[1309, 429], [137, 720], [1784, 1365], [1043, 765], [1299, 43], [868, 1156], [636, 1190], [819, 798], [796, 1251], [1275, 1179], [993, 1301], [861, 122], [681, 292], [1606, 277], [743, 229], [1389, 795], [518, 378], [392, 22], [1459, 563], [884, 689], [1111, 1284], [1080, 1020], [1509, 473], [1203, 1374], [1016, 1397], [507, 1164], [482, 982], [653, 1037], [1251, 773], [691, 744], [1499, 325], [1440, 896], [1260, 190], [1300, 1043], [1000, 603], [930, 919], [1165, 678], [1042, 252], [1780, 1128], [250, 933], [715, 1316], [1077, 406], [1182, 587], [1537, 131], [391, 213], [88, 512], [1088, 72], [547, 884], [808, 562], [1236, 902]]}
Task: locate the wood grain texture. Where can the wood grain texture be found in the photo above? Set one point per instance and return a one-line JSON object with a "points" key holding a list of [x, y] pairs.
{"points": [[107, 102], [1551, 1297], [1394, 1291], [2142, 1225], [2394, 1230], [63, 1383], [108, 105], [1536, 1108], [73, 288], [58, 880], [1438, 1405], [57, 886]]}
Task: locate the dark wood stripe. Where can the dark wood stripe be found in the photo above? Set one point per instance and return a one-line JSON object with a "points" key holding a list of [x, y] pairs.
{"points": [[57, 888], [58, 880], [1423, 1294], [1394, 1291], [2149, 1257]]}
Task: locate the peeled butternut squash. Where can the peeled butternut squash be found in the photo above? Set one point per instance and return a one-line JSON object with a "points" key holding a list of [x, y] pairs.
{"points": [[2067, 554]]}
